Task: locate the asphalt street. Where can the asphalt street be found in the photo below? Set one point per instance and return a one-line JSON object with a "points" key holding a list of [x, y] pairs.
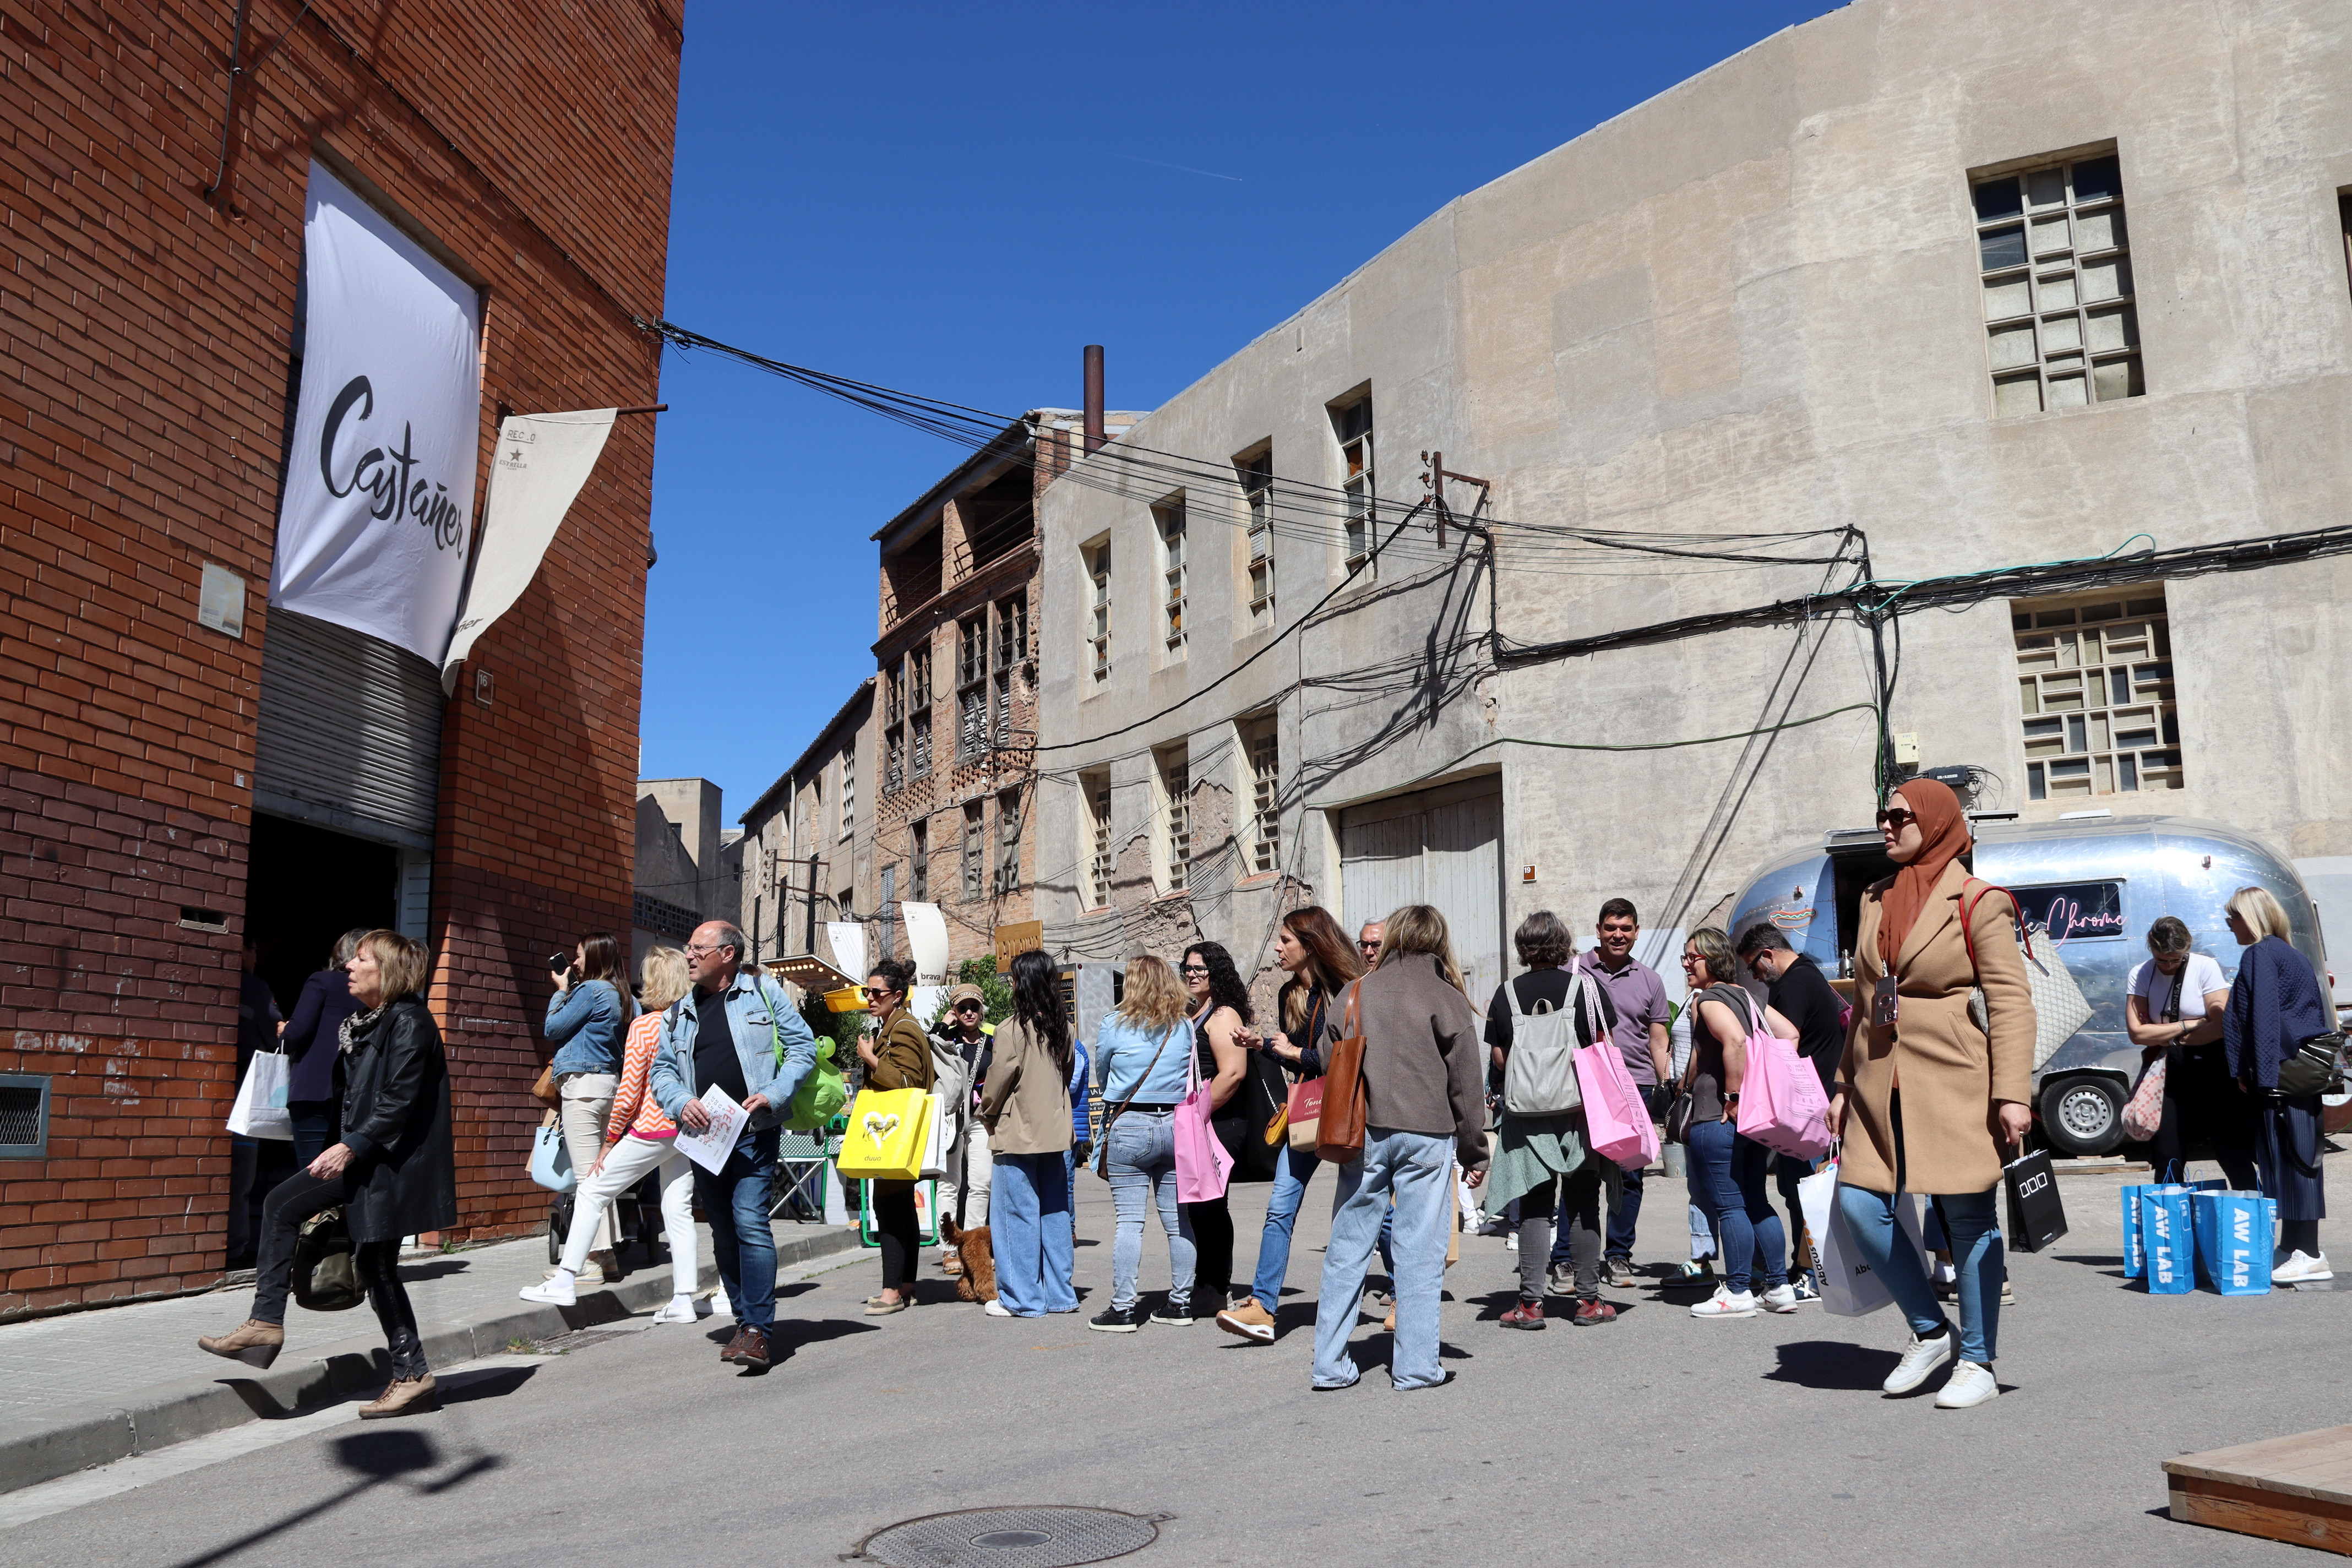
{"points": [[1656, 1439]]}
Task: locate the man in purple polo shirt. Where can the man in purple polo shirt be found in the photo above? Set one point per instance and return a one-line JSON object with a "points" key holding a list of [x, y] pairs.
{"points": [[1640, 1033]]}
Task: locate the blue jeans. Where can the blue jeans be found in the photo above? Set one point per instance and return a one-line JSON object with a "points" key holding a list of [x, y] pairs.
{"points": [[1141, 1160], [1292, 1171], [735, 1202], [1029, 1227], [1728, 1171], [1977, 1257], [1418, 1169]]}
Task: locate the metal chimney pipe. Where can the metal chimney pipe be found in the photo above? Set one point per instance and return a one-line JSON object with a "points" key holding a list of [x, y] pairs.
{"points": [[1094, 399]]}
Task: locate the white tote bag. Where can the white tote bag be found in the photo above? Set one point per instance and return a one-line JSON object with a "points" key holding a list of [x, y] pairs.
{"points": [[937, 1141], [261, 1110], [1849, 1287]]}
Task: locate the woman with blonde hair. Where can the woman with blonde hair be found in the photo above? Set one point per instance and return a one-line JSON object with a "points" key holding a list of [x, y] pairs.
{"points": [[2277, 1004], [638, 1137], [1141, 1050], [1425, 1081], [394, 1173]]}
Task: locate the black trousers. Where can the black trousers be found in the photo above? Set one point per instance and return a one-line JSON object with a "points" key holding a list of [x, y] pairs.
{"points": [[1213, 1244], [900, 1231], [2201, 1102], [296, 1199]]}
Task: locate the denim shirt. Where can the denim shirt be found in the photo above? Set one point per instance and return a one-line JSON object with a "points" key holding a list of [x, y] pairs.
{"points": [[753, 1005], [1125, 1054], [585, 1025]]}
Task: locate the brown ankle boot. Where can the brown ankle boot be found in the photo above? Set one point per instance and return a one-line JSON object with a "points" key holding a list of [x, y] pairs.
{"points": [[253, 1341], [402, 1396]]}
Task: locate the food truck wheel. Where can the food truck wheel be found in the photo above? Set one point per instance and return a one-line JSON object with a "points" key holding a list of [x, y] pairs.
{"points": [[2082, 1115]]}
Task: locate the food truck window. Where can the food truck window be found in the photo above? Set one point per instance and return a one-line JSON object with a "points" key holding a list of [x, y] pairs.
{"points": [[2076, 911]]}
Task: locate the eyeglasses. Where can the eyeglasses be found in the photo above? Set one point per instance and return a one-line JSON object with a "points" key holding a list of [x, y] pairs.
{"points": [[1689, 959], [1896, 819], [692, 951]]}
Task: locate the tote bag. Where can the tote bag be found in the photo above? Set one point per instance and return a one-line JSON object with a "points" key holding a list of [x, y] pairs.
{"points": [[2232, 1232], [1781, 1105], [1616, 1122], [1850, 1287], [1202, 1166], [551, 1160], [2169, 1240], [888, 1134], [1339, 1127], [259, 1110]]}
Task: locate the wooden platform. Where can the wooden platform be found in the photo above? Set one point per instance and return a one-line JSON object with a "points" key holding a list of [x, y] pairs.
{"points": [[2295, 1489]]}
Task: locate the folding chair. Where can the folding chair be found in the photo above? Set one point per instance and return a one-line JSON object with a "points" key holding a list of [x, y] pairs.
{"points": [[802, 1169]]}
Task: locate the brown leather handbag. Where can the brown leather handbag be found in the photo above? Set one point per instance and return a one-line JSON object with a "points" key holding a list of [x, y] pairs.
{"points": [[544, 1089], [1340, 1131]]}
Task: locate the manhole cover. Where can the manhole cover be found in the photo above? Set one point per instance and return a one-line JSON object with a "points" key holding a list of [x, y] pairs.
{"points": [[1011, 1538]]}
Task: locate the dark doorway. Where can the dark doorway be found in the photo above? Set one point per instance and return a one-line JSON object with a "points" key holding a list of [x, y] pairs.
{"points": [[305, 888]]}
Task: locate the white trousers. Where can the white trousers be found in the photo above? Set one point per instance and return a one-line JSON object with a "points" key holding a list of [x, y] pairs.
{"points": [[625, 1167], [587, 1102], [969, 1154]]}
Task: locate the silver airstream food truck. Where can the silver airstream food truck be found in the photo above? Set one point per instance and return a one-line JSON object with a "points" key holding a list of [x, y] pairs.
{"points": [[2096, 882]]}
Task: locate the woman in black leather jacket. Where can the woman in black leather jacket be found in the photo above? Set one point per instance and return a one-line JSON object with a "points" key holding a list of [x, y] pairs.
{"points": [[394, 1173]]}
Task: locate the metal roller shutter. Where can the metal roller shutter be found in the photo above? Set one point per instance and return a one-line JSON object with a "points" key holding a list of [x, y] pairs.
{"points": [[350, 732]]}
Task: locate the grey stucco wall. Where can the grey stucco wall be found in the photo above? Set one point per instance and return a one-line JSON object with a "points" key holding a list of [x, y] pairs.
{"points": [[1753, 304]]}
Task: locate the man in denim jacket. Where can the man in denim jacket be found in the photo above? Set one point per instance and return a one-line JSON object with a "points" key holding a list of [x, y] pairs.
{"points": [[737, 1031]]}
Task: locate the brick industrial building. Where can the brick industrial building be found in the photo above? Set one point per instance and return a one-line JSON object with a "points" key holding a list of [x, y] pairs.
{"points": [[159, 723]]}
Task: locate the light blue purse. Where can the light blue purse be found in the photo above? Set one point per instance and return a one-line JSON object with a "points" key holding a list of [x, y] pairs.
{"points": [[551, 1161]]}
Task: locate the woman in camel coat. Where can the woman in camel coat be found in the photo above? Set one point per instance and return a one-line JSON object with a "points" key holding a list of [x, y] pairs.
{"points": [[1927, 1100]]}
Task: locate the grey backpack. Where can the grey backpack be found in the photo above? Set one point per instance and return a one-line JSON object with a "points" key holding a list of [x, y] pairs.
{"points": [[1540, 1074]]}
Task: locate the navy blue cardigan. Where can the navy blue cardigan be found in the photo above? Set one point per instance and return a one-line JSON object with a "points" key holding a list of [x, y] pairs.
{"points": [[2275, 1004]]}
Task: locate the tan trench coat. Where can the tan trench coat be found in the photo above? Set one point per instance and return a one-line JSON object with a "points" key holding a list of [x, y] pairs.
{"points": [[1949, 1072]]}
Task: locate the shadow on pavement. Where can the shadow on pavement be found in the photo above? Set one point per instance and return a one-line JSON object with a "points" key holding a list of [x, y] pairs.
{"points": [[791, 1334], [1829, 1364], [431, 1269], [490, 1383], [382, 1457]]}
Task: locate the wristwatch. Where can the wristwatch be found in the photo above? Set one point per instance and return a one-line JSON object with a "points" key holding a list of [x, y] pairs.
{"points": [[1731, 1098]]}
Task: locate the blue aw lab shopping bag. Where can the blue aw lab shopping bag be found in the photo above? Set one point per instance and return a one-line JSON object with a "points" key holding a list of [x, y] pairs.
{"points": [[2166, 1235], [2232, 1232], [2135, 1254]]}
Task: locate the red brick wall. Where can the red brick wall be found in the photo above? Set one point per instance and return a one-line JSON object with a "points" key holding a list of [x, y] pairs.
{"points": [[144, 335]]}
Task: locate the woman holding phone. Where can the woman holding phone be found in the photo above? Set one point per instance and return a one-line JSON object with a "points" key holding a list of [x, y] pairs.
{"points": [[585, 1020]]}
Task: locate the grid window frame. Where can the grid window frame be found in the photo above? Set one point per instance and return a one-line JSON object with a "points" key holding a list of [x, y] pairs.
{"points": [[1012, 651], [918, 859], [1262, 755], [1008, 842], [2055, 268], [894, 732], [1173, 768], [1098, 617], [919, 711], [1094, 791], [1256, 474], [2098, 710], [1351, 425], [974, 854], [849, 789], [1169, 522], [971, 686]]}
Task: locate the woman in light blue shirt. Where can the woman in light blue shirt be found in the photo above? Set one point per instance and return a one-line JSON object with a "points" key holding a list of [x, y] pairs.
{"points": [[587, 1022], [1144, 1051]]}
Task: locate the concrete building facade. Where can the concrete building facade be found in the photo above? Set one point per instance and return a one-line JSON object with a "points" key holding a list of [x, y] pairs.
{"points": [[689, 862], [149, 305], [1980, 284], [812, 814]]}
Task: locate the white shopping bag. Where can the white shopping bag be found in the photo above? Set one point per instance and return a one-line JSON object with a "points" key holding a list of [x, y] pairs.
{"points": [[261, 1110], [1849, 1287], [938, 1142]]}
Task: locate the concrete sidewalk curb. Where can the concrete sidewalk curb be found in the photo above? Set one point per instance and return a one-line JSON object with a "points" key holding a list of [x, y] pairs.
{"points": [[32, 1451]]}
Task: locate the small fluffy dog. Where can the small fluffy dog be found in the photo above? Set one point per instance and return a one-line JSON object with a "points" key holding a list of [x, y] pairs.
{"points": [[978, 1280]]}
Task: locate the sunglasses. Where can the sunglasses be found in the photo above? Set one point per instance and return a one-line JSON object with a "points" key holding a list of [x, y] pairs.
{"points": [[878, 990], [1193, 969], [1368, 947], [967, 1007], [1895, 817]]}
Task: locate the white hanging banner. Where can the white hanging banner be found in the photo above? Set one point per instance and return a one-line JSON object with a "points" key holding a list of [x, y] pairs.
{"points": [[372, 532], [848, 939], [927, 942], [542, 461]]}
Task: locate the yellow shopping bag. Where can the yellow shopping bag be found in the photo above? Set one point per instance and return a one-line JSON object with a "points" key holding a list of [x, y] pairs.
{"points": [[885, 1139]]}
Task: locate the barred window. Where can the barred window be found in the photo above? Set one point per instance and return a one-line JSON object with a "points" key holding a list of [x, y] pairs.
{"points": [[2060, 326], [1176, 818], [1094, 788], [1353, 426], [2095, 689], [1265, 754], [1097, 560], [1012, 652], [975, 852], [919, 861], [849, 789], [894, 734], [1170, 517], [972, 686], [1008, 842]]}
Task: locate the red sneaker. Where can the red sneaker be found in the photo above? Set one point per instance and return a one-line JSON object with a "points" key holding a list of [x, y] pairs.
{"points": [[1526, 1315], [1592, 1309]]}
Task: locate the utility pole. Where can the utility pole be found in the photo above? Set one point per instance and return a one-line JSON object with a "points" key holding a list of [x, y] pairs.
{"points": [[811, 904]]}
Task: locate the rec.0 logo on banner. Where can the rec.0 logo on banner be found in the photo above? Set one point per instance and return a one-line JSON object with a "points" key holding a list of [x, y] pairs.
{"points": [[372, 533]]}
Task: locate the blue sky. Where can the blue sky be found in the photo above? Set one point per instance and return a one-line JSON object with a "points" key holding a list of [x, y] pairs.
{"points": [[955, 199]]}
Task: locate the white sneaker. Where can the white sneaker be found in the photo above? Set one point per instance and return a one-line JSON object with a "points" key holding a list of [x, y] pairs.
{"points": [[676, 1309], [1511, 1242], [1725, 1303], [1972, 1384], [555, 1292], [1780, 1299], [996, 1309], [2302, 1269], [1921, 1358]]}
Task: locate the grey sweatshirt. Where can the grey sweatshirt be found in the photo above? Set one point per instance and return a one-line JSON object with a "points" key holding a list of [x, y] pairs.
{"points": [[1423, 1067]]}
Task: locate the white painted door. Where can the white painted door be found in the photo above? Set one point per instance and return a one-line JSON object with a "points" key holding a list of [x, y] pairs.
{"points": [[1443, 847]]}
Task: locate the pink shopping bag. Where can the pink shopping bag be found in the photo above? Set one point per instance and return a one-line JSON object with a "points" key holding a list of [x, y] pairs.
{"points": [[1781, 1105], [1616, 1122], [1202, 1166]]}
